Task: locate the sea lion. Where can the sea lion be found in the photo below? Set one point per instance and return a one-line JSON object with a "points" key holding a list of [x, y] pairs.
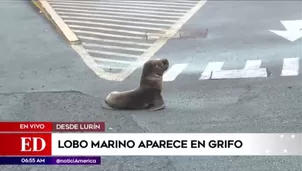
{"points": [[147, 95]]}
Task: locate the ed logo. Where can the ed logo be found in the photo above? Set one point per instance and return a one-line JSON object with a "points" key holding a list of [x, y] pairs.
{"points": [[31, 144]]}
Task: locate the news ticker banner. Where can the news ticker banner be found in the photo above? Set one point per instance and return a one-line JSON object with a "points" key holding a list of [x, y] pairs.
{"points": [[52, 127], [50, 160], [150, 144]]}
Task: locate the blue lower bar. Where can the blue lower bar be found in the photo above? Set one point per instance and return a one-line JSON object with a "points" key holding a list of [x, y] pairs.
{"points": [[25, 161], [50, 160]]}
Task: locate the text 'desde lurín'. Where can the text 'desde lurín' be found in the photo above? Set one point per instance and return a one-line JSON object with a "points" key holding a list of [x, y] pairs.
{"points": [[79, 127]]}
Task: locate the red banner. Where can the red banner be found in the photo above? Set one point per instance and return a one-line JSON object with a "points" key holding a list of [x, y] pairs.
{"points": [[27, 144], [25, 126]]}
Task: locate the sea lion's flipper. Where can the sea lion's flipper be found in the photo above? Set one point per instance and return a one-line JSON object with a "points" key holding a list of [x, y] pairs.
{"points": [[158, 104], [106, 106], [156, 108]]}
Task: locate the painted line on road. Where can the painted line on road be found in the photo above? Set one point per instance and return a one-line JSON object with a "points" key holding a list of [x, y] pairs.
{"points": [[112, 47], [106, 34], [112, 61], [290, 67], [113, 53], [107, 29], [89, 61], [292, 30], [116, 16], [174, 71], [212, 66], [92, 61], [114, 41], [160, 42], [125, 3], [114, 20], [163, 2], [120, 6], [116, 13], [111, 67], [118, 9], [242, 73], [115, 25], [252, 64]]}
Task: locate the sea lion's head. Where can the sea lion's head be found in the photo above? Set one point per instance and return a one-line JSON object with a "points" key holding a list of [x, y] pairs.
{"points": [[153, 71], [161, 66], [156, 66]]}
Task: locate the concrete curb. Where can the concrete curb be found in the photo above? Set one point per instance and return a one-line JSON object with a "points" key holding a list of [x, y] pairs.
{"points": [[56, 20]]}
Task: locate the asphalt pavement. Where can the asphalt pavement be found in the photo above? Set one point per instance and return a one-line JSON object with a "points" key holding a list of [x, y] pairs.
{"points": [[44, 79]]}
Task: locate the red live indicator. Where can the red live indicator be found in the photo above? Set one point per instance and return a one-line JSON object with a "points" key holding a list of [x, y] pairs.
{"points": [[25, 126]]}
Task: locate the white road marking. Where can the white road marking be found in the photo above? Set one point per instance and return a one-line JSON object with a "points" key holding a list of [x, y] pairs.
{"points": [[242, 73], [93, 24], [289, 34], [106, 34], [290, 67], [292, 30], [115, 41], [107, 29], [163, 2], [251, 70], [126, 3], [123, 6], [160, 42], [115, 20], [116, 16], [112, 60], [89, 61], [116, 13], [216, 74], [111, 67], [116, 8], [212, 66], [115, 25], [173, 72], [252, 64], [113, 53], [113, 47]]}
